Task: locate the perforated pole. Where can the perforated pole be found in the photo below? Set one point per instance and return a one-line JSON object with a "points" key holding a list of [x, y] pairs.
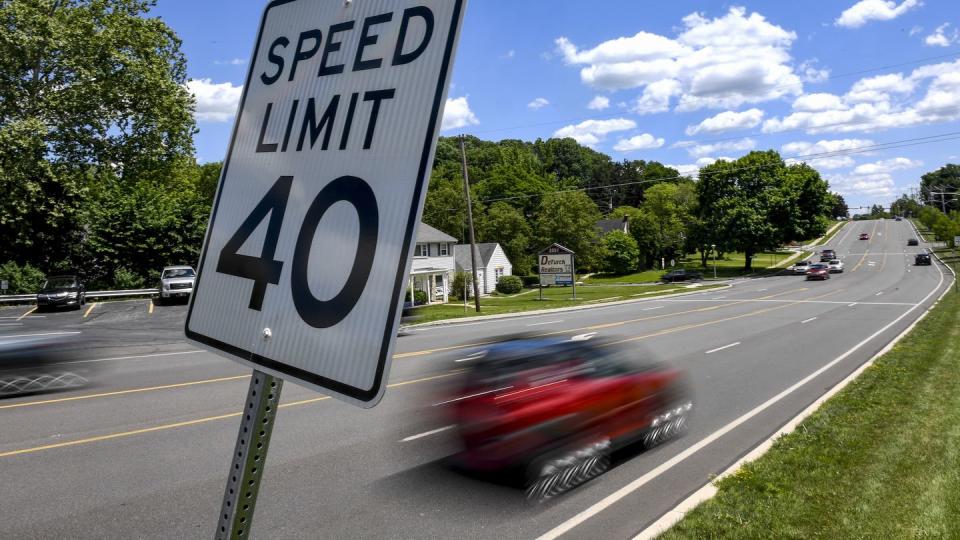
{"points": [[249, 456]]}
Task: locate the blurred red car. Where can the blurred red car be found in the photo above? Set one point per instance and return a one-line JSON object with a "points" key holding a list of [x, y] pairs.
{"points": [[818, 271], [551, 411], [864, 236]]}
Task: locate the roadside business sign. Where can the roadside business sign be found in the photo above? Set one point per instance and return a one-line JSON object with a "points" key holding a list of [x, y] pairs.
{"points": [[556, 267], [4, 285], [956, 243], [314, 221]]}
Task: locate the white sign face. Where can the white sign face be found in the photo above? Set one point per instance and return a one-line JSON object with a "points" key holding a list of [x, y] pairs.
{"points": [[956, 242], [557, 263], [314, 221]]}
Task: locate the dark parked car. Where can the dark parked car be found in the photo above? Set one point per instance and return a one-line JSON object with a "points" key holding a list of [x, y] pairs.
{"points": [[549, 411], [827, 255], [61, 291], [913, 242], [922, 259], [898, 218], [681, 275]]}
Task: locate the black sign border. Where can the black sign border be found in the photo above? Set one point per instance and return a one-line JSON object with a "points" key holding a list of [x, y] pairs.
{"points": [[359, 394]]}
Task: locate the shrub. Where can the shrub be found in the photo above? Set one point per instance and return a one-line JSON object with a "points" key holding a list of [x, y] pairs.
{"points": [[419, 298], [620, 253], [461, 281], [531, 281], [126, 279], [23, 279], [509, 285]]}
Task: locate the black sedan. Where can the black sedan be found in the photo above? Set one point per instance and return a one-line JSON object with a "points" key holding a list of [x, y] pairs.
{"points": [[913, 242], [922, 259], [61, 291], [680, 275]]}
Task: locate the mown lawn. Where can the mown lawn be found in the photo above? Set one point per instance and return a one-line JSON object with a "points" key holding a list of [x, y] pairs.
{"points": [[731, 265], [879, 460], [553, 297]]}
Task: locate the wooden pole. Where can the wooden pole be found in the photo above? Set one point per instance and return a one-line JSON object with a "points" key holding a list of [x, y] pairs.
{"points": [[473, 243]]}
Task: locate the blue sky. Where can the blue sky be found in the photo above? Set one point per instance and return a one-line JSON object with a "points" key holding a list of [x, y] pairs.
{"points": [[858, 89]]}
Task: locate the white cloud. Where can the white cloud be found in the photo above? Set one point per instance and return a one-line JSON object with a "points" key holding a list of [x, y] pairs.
{"points": [[887, 166], [915, 30], [639, 142], [538, 103], [714, 63], [874, 185], [865, 11], [940, 37], [234, 62], [599, 103], [818, 153], [818, 102], [689, 169], [591, 132], [457, 114], [728, 121], [812, 74], [509, 54], [929, 94], [702, 150], [216, 102]]}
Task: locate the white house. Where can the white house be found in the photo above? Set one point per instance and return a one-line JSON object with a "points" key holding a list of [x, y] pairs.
{"points": [[492, 263], [433, 263]]}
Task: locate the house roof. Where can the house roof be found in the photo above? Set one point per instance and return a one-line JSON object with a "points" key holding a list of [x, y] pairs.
{"points": [[426, 233], [484, 252], [610, 225]]}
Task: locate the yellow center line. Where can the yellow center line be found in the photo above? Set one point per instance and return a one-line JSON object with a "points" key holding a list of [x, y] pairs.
{"points": [[121, 392], [31, 310], [593, 327], [862, 259], [197, 421], [89, 309], [150, 309]]}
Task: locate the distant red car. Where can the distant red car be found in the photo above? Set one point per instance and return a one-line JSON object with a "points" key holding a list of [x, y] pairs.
{"points": [[818, 271], [549, 412], [864, 236]]}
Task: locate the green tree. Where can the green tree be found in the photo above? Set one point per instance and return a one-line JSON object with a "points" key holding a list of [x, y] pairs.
{"points": [[508, 226], [569, 219], [945, 179], [620, 253], [671, 206], [838, 206], [905, 206], [945, 229], [644, 229], [87, 87]]}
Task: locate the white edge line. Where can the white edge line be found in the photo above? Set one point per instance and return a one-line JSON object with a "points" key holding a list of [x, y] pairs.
{"points": [[472, 396], [609, 500], [134, 357], [653, 308], [426, 434], [547, 322], [808, 320], [38, 335], [711, 351], [673, 516]]}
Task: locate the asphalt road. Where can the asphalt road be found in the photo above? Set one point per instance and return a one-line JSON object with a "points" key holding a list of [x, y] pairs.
{"points": [[144, 451]]}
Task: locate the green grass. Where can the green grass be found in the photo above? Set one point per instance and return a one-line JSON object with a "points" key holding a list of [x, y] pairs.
{"points": [[829, 236], [809, 240], [731, 265], [881, 459], [926, 233], [553, 297]]}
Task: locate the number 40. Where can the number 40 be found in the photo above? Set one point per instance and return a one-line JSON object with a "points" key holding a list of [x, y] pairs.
{"points": [[265, 270]]}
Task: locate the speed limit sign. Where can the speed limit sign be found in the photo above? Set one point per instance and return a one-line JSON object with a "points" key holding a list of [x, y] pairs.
{"points": [[313, 225]]}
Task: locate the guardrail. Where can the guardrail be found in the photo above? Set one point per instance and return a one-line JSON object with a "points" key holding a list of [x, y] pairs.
{"points": [[24, 298]]}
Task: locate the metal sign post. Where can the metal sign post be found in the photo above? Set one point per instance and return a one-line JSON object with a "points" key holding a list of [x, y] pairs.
{"points": [[249, 456]]}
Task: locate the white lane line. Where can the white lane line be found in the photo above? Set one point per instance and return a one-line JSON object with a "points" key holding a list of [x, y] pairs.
{"points": [[11, 324], [17, 318], [808, 320], [761, 290], [39, 335], [583, 337], [475, 356], [879, 293], [426, 434], [718, 297], [472, 396], [547, 322], [652, 308], [852, 304], [711, 351], [626, 490], [134, 357]]}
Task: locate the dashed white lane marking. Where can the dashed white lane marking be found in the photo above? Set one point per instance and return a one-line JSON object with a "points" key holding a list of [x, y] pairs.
{"points": [[652, 308], [711, 351], [547, 322], [11, 324], [808, 320], [426, 434], [879, 293], [583, 337], [134, 357], [851, 305], [475, 356], [43, 334], [472, 396]]}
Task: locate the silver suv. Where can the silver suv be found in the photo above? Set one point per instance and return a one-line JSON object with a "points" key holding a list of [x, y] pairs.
{"points": [[176, 282]]}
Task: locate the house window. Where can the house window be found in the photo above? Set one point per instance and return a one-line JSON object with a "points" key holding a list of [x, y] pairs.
{"points": [[443, 250], [498, 272], [421, 250]]}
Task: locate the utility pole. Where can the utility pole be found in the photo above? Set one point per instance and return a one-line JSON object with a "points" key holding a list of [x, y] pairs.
{"points": [[473, 243]]}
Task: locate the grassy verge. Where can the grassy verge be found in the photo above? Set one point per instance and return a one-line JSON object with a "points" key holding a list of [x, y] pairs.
{"points": [[829, 236], [731, 265], [881, 459], [926, 233], [826, 237], [553, 297]]}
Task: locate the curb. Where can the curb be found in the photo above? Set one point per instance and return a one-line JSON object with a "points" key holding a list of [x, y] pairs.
{"points": [[709, 490], [447, 322]]}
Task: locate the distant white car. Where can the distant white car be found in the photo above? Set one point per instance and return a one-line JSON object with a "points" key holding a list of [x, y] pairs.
{"points": [[835, 266], [801, 267]]}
